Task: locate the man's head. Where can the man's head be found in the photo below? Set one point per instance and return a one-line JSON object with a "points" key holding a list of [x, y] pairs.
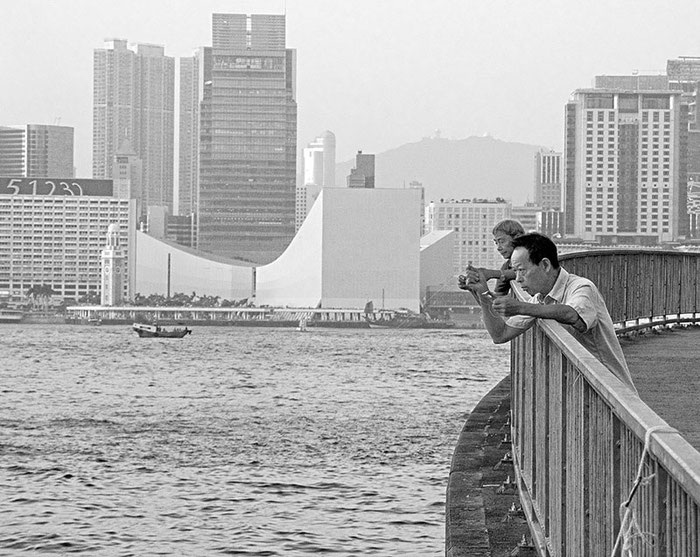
{"points": [[504, 233], [535, 262]]}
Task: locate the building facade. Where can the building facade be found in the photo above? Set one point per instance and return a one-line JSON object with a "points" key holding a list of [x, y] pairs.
{"points": [[684, 75], [473, 222], [548, 182], [55, 238], [625, 166], [362, 176], [246, 138], [319, 172], [36, 150], [188, 138], [134, 101]]}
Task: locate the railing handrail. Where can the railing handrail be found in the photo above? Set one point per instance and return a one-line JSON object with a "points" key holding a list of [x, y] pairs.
{"points": [[678, 456], [579, 432]]}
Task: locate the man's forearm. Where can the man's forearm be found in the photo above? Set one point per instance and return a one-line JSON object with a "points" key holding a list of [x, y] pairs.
{"points": [[559, 312]]}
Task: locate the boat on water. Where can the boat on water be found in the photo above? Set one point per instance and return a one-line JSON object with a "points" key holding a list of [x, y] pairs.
{"points": [[11, 315], [406, 319], [156, 331]]}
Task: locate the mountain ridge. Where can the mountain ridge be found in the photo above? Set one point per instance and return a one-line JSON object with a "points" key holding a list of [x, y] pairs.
{"points": [[474, 167]]}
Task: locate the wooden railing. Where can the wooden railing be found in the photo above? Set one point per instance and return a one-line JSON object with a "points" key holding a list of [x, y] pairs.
{"points": [[581, 438]]}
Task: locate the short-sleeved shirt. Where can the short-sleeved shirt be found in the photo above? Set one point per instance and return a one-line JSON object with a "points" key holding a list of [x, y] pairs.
{"points": [[599, 338]]}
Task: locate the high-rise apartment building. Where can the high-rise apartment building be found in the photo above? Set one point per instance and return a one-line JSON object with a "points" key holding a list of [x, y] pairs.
{"points": [[362, 176], [625, 166], [36, 150], [548, 180], [684, 75], [244, 117], [133, 100], [189, 137], [319, 172], [472, 222]]}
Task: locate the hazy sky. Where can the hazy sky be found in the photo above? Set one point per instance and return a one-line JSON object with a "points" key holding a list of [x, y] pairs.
{"points": [[378, 73]]}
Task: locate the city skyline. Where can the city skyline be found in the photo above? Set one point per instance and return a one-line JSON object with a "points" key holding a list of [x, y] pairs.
{"points": [[377, 82]]}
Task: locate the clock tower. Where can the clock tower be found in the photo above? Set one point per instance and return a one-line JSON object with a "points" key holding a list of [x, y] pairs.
{"points": [[113, 269]]}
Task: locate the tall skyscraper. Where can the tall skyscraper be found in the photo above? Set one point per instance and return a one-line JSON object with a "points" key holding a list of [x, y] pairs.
{"points": [[362, 176], [684, 75], [134, 97], [625, 167], [189, 137], [244, 116], [319, 172], [548, 180], [36, 150]]}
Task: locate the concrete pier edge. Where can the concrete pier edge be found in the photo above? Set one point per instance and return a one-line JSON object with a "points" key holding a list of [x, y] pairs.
{"points": [[483, 516]]}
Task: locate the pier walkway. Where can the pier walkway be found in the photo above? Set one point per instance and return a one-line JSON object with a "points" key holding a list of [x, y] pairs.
{"points": [[565, 458], [665, 367]]}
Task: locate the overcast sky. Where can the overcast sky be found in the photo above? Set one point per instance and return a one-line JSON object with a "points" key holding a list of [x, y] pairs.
{"points": [[377, 73]]}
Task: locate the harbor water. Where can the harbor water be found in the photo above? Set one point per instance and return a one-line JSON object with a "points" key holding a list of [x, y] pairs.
{"points": [[233, 441]]}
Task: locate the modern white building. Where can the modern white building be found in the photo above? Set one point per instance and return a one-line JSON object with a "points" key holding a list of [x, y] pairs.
{"points": [[472, 222], [356, 246], [55, 238], [624, 166]]}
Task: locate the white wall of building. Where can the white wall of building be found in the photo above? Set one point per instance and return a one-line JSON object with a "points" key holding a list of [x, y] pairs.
{"points": [[356, 245], [188, 272], [436, 268]]}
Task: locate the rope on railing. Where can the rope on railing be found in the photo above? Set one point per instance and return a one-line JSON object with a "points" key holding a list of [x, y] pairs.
{"points": [[626, 532]]}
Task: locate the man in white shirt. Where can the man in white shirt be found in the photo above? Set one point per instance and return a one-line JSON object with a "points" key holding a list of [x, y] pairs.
{"points": [[573, 301]]}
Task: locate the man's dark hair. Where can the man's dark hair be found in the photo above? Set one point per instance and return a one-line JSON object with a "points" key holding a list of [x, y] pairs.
{"points": [[538, 247]]}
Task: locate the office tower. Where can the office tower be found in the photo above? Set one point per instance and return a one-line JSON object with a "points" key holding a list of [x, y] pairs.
{"points": [[133, 99], [36, 150], [548, 180], [684, 75], [362, 176], [472, 222], [246, 132], [624, 166], [319, 172]]}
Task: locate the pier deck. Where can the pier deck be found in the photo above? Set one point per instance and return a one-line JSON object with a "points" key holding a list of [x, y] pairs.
{"points": [[665, 367]]}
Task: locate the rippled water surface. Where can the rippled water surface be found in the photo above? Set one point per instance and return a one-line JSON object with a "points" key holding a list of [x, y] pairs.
{"points": [[233, 441]]}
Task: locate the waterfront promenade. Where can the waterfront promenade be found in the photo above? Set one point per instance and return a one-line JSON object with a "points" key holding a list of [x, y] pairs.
{"points": [[582, 446], [665, 366]]}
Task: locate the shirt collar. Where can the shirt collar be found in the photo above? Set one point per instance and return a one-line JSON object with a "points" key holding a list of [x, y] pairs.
{"points": [[556, 294]]}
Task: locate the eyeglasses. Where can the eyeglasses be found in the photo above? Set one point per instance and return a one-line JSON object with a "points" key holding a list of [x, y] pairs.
{"points": [[502, 240]]}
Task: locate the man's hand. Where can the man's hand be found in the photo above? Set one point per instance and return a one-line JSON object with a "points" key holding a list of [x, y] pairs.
{"points": [[473, 279], [505, 306]]}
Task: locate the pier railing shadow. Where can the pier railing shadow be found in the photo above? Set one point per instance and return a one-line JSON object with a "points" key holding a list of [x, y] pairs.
{"points": [[598, 469]]}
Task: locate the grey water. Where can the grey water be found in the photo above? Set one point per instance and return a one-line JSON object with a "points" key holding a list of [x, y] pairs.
{"points": [[233, 441]]}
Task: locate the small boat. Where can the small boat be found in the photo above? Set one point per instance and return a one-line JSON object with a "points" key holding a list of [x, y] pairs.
{"points": [[407, 319], [156, 331]]}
